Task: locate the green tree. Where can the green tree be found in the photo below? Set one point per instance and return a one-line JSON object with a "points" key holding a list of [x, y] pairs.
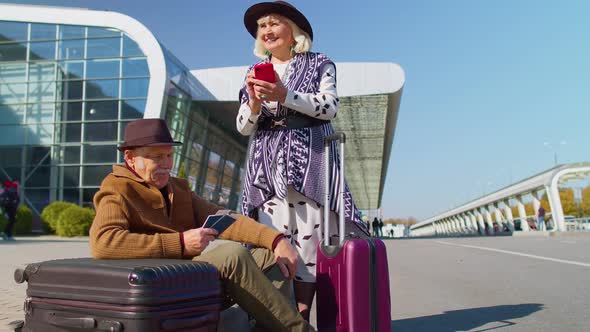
{"points": [[585, 206], [515, 213], [530, 210]]}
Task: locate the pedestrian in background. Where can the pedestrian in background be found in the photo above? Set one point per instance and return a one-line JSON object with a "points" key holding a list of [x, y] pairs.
{"points": [[541, 219], [9, 200], [289, 119], [375, 225]]}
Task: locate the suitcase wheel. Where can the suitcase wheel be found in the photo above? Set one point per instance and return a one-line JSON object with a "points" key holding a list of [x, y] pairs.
{"points": [[15, 325]]}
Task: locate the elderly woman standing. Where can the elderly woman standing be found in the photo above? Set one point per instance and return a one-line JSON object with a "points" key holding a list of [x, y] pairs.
{"points": [[289, 119]]}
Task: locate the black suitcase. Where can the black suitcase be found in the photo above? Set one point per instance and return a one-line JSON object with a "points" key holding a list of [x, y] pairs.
{"points": [[85, 294]]}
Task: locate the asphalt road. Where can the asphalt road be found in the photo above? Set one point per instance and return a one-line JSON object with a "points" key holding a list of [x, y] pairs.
{"points": [[450, 284], [490, 284]]}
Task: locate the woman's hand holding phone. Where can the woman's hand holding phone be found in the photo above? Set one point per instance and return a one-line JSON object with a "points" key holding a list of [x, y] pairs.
{"points": [[265, 72], [255, 101], [263, 90]]}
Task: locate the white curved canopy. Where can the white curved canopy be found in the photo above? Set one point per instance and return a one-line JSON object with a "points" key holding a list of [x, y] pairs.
{"points": [[369, 103], [354, 79]]}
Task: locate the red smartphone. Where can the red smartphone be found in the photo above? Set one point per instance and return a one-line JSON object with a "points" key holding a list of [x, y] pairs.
{"points": [[264, 72]]}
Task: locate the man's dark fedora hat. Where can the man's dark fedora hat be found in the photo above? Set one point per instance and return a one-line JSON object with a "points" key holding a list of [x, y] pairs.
{"points": [[282, 8], [147, 132]]}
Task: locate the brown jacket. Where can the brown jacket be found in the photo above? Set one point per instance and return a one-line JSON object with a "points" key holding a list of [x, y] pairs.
{"points": [[132, 222]]}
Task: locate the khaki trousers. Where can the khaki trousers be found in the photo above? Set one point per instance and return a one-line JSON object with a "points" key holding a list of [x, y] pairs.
{"points": [[251, 279]]}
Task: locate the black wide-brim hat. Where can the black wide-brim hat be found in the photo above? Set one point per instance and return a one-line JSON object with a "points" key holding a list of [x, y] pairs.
{"points": [[147, 132], [282, 8]]}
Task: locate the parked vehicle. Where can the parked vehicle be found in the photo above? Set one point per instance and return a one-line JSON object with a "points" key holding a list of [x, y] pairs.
{"points": [[570, 223], [518, 224], [573, 224]]}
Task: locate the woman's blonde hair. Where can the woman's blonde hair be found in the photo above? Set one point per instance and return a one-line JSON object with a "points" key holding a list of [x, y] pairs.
{"points": [[302, 40]]}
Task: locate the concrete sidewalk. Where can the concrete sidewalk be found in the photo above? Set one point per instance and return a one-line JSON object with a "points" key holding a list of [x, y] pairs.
{"points": [[27, 250]]}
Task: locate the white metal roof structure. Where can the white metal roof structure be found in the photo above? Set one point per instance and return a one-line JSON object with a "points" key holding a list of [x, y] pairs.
{"points": [[80, 16], [369, 95], [548, 180]]}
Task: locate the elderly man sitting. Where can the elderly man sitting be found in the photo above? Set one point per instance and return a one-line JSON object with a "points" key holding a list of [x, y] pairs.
{"points": [[142, 212]]}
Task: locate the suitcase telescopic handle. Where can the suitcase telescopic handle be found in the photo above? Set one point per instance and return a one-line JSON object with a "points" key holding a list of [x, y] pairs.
{"points": [[341, 137]]}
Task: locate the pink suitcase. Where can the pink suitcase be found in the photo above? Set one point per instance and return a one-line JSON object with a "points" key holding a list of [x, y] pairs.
{"points": [[352, 274]]}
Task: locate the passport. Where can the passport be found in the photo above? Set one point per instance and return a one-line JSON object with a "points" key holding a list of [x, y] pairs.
{"points": [[219, 222]]}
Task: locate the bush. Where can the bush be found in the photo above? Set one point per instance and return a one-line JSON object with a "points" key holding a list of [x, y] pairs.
{"points": [[24, 221], [51, 213], [75, 221]]}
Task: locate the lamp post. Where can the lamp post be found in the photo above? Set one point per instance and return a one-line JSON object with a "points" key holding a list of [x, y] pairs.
{"points": [[550, 146]]}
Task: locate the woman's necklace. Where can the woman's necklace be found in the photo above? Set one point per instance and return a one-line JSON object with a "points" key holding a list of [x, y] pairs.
{"points": [[273, 106], [285, 76], [286, 73]]}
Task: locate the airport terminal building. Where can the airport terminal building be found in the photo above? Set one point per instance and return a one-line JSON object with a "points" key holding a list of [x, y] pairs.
{"points": [[71, 79]]}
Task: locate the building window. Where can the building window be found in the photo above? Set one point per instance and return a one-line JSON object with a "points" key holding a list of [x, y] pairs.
{"points": [[132, 109], [71, 31], [60, 91], [42, 51], [70, 70], [103, 68], [13, 52], [12, 31], [100, 132], [100, 154], [101, 110], [40, 31], [135, 67], [104, 48], [71, 49]]}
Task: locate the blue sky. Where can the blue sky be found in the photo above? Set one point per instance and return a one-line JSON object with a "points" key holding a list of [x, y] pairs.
{"points": [[487, 82]]}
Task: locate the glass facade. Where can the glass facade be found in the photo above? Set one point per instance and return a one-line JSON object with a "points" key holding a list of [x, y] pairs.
{"points": [[213, 156], [66, 94]]}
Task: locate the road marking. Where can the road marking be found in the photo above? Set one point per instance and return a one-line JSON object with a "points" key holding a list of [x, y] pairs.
{"points": [[568, 241], [518, 254]]}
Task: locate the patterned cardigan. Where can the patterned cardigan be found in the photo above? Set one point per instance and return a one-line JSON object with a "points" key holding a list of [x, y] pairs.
{"points": [[295, 157]]}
